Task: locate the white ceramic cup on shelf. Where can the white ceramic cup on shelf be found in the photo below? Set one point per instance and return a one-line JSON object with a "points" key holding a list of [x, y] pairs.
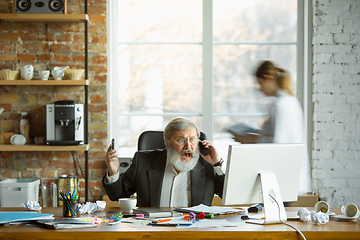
{"points": [[44, 74], [127, 204], [58, 74], [350, 210], [322, 206], [27, 72]]}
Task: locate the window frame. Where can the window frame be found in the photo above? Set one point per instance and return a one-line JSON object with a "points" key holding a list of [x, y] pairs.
{"points": [[303, 66]]}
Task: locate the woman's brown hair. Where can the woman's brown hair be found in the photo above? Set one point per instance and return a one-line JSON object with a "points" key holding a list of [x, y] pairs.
{"points": [[282, 77]]}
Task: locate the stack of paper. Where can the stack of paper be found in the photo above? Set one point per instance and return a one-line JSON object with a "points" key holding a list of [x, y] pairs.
{"points": [[211, 210]]}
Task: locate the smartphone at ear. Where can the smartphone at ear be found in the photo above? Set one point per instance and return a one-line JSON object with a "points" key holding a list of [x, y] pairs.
{"points": [[113, 144], [203, 149]]}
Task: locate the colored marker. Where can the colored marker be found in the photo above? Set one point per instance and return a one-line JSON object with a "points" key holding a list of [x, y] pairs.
{"points": [[164, 220], [74, 193]]}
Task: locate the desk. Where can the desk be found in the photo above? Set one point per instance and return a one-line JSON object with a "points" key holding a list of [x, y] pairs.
{"points": [[332, 230]]}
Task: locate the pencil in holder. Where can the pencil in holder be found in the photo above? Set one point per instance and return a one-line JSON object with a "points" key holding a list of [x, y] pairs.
{"points": [[69, 208]]}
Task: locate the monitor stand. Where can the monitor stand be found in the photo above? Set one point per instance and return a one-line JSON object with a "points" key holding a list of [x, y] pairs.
{"points": [[271, 210]]}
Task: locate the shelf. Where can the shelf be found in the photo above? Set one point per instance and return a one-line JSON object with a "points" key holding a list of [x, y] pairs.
{"points": [[56, 18], [41, 148], [44, 17], [47, 82]]}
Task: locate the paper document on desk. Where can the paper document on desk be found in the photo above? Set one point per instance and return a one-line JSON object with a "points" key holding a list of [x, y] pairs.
{"points": [[9, 217], [213, 223], [211, 210]]}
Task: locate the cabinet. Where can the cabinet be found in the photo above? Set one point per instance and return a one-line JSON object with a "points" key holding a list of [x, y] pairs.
{"points": [[56, 18]]}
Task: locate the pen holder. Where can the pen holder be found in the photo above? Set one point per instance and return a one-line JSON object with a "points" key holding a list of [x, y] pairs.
{"points": [[69, 208]]}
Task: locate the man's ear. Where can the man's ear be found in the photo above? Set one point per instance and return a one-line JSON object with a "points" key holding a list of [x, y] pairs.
{"points": [[166, 142]]}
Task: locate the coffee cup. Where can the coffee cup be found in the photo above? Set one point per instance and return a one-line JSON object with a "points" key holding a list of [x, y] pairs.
{"points": [[58, 74], [44, 74], [27, 72], [127, 204], [350, 210], [322, 206]]}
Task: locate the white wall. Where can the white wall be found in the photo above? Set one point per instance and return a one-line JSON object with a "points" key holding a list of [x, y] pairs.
{"points": [[336, 82]]}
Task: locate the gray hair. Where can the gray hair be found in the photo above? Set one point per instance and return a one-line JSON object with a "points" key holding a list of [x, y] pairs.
{"points": [[178, 124]]}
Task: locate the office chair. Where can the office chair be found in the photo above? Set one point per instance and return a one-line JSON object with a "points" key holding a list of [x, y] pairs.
{"points": [[150, 140]]}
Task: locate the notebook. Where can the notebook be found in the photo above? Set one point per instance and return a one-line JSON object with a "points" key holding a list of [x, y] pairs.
{"points": [[240, 129], [8, 217], [65, 223]]}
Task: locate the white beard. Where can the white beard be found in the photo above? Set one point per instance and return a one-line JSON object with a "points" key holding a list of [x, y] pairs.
{"points": [[186, 165]]}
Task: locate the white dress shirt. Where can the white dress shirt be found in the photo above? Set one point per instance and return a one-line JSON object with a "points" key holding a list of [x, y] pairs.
{"points": [[176, 188]]}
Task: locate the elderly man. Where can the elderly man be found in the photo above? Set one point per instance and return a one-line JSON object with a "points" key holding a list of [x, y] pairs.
{"points": [[177, 176]]}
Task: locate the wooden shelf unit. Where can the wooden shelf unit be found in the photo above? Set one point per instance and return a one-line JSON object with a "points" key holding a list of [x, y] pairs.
{"points": [[81, 18]]}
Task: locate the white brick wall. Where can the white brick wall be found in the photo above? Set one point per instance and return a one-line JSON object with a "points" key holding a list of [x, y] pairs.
{"points": [[336, 97]]}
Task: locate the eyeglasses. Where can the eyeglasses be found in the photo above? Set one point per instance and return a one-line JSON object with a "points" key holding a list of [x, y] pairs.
{"points": [[183, 141]]}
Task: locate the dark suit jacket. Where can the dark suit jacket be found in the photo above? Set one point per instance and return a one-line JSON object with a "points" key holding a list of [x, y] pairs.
{"points": [[145, 177]]}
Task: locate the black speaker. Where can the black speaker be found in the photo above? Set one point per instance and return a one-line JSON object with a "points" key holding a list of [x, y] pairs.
{"points": [[40, 6], [124, 164]]}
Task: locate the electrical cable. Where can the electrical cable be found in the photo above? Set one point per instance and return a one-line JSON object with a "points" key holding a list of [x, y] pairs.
{"points": [[287, 224], [81, 171], [76, 169]]}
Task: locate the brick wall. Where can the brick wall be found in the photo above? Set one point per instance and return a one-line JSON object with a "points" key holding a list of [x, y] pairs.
{"points": [[336, 79], [26, 43]]}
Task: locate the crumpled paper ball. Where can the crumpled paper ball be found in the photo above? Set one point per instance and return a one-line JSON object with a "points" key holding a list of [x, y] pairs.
{"points": [[315, 217], [304, 215], [319, 217], [34, 206], [90, 207]]}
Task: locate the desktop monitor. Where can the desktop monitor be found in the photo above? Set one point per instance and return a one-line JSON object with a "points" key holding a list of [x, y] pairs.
{"points": [[256, 173]]}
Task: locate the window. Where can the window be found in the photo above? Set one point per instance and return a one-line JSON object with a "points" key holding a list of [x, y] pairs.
{"points": [[195, 59]]}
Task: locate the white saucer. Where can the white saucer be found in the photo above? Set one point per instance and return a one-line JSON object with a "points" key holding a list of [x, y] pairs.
{"points": [[331, 213], [17, 139], [345, 218]]}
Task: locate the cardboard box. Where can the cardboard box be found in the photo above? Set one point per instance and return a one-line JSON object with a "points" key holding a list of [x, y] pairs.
{"points": [[306, 200], [5, 137]]}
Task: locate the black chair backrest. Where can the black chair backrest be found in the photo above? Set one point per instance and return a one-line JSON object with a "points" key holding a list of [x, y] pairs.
{"points": [[150, 140]]}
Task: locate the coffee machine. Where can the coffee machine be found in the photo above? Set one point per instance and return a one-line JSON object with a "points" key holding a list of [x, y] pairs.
{"points": [[64, 123]]}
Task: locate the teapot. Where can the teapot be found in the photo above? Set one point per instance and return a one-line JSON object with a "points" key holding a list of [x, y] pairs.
{"points": [[27, 72], [61, 68]]}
